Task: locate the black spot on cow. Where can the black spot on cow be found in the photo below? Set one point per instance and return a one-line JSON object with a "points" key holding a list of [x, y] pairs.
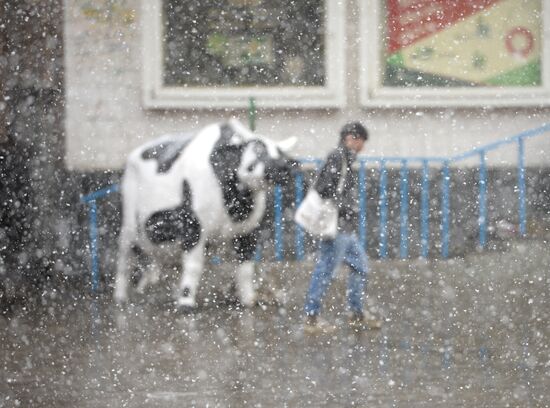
{"points": [[167, 152], [280, 171], [225, 159], [137, 251], [245, 246], [178, 224]]}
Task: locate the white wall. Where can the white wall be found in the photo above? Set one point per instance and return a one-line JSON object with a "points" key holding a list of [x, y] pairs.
{"points": [[105, 117]]}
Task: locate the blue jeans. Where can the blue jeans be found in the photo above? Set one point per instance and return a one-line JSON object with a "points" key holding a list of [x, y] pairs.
{"points": [[347, 249]]}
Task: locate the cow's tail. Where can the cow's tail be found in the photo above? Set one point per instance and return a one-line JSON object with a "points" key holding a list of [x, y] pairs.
{"points": [[129, 230]]}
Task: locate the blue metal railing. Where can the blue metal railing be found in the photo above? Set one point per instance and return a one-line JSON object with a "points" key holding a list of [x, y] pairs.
{"points": [[404, 164], [425, 209], [91, 201]]}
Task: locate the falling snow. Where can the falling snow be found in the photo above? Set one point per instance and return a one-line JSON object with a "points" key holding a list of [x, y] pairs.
{"points": [[453, 202]]}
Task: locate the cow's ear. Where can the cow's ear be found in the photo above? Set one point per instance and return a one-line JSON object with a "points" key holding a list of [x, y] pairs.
{"points": [[286, 145]]}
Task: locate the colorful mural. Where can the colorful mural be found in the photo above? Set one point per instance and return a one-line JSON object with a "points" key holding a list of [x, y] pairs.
{"points": [[438, 43]]}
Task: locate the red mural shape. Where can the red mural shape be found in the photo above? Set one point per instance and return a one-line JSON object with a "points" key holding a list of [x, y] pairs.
{"points": [[519, 41], [412, 20]]}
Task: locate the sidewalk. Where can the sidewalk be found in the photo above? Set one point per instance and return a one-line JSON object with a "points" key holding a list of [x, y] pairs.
{"points": [[468, 332]]}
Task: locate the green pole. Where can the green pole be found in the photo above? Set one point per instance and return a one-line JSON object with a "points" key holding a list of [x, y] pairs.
{"points": [[252, 114]]}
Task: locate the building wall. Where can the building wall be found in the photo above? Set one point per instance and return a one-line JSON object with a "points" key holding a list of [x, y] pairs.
{"points": [[106, 118], [32, 176]]}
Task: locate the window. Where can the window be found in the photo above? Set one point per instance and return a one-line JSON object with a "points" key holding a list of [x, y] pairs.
{"points": [[218, 53], [464, 52]]}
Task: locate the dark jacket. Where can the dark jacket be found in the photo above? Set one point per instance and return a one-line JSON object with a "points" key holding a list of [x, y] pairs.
{"points": [[327, 185]]}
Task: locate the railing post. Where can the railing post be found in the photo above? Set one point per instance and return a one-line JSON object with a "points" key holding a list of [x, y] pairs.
{"points": [[521, 188], [90, 201], [298, 231], [383, 246], [362, 204], [93, 232], [445, 210], [425, 210], [482, 220], [252, 114], [258, 252], [278, 220], [404, 210]]}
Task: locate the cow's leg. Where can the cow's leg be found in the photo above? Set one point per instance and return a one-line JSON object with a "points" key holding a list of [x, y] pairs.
{"points": [[124, 263], [128, 234], [245, 283], [193, 264], [245, 248], [150, 276]]}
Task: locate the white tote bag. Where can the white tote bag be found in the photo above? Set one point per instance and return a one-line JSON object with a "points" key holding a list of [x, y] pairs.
{"points": [[317, 215]]}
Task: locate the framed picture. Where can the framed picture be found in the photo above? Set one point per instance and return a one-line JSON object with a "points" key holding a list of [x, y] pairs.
{"points": [[463, 53], [218, 53]]}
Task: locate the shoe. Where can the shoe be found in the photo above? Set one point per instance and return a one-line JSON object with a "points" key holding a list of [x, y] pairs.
{"points": [[316, 325], [359, 321]]}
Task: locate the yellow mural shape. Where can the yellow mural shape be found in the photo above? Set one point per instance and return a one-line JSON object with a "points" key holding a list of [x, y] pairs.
{"points": [[502, 38]]}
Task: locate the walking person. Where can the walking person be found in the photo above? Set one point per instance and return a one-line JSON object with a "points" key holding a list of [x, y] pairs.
{"points": [[345, 246]]}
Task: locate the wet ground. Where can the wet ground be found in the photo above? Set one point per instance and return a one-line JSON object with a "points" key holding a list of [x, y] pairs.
{"points": [[470, 332]]}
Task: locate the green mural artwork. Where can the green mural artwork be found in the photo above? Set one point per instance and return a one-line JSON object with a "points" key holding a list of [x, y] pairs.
{"points": [[109, 11]]}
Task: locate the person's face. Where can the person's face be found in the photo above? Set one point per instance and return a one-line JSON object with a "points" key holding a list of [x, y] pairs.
{"points": [[355, 144]]}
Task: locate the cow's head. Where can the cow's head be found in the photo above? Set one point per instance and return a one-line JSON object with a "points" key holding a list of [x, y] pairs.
{"points": [[262, 159]]}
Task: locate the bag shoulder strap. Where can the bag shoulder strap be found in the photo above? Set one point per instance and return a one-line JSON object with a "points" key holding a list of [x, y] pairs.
{"points": [[343, 174], [341, 181]]}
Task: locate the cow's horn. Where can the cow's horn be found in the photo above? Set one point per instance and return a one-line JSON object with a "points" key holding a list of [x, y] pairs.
{"points": [[287, 144], [242, 130]]}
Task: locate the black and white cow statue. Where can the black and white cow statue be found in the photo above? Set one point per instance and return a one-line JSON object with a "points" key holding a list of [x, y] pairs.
{"points": [[179, 192]]}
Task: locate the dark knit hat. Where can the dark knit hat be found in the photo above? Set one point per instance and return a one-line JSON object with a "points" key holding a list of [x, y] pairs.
{"points": [[354, 128]]}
